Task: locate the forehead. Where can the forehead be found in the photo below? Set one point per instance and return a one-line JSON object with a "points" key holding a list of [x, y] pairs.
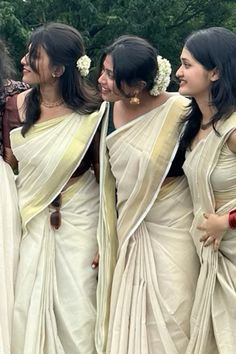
{"points": [[186, 54], [37, 50], [108, 63]]}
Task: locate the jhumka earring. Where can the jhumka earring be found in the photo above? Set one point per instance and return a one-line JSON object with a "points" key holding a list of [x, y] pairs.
{"points": [[134, 99]]}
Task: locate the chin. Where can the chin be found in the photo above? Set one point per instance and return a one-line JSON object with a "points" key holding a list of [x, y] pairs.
{"points": [[108, 98], [27, 80], [104, 97], [183, 92]]}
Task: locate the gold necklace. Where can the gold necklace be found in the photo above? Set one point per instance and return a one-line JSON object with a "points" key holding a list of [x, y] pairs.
{"points": [[53, 104]]}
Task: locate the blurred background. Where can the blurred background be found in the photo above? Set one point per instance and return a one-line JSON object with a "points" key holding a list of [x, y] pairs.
{"points": [[165, 23]]}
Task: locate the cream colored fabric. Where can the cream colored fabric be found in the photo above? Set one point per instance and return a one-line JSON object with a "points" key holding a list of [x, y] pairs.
{"points": [[10, 233], [213, 319], [55, 307], [157, 267], [223, 177], [107, 241]]}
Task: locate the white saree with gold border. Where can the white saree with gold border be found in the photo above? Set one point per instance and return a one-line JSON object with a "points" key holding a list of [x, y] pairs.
{"points": [[157, 267], [211, 171], [55, 306]]}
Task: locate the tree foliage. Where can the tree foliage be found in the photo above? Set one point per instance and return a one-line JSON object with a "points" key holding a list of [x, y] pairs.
{"points": [[165, 23]]}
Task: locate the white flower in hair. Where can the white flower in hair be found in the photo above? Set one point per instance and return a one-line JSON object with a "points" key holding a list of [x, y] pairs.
{"points": [[162, 78], [83, 65]]}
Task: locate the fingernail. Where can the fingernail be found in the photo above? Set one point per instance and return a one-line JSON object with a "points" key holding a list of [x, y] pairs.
{"points": [[94, 265]]}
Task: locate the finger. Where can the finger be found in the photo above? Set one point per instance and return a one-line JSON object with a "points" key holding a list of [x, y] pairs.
{"points": [[94, 264], [201, 227], [204, 237], [209, 241], [216, 245], [95, 261]]}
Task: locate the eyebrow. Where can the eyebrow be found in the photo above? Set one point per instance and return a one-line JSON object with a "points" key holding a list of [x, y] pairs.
{"points": [[184, 59], [108, 70]]}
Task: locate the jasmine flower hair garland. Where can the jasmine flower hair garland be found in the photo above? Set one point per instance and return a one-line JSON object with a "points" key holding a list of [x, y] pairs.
{"points": [[83, 65], [162, 78]]}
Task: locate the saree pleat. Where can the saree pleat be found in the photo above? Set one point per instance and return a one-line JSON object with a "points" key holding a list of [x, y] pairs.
{"points": [[55, 306], [214, 312], [149, 310]]}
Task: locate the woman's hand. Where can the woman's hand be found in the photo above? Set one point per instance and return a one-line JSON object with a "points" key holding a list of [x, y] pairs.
{"points": [[214, 227], [95, 261], [10, 158]]}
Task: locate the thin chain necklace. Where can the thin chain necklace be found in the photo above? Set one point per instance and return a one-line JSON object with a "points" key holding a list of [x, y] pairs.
{"points": [[53, 104]]}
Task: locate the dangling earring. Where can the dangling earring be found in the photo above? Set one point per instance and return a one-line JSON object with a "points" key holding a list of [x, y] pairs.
{"points": [[134, 99], [53, 75]]}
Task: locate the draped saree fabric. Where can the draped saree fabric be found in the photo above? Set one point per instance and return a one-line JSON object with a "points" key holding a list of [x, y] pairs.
{"points": [[210, 168], [55, 307], [10, 233], [157, 267]]}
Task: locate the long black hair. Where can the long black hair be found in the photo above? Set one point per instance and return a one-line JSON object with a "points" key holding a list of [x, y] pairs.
{"points": [[134, 60], [64, 46], [213, 48]]}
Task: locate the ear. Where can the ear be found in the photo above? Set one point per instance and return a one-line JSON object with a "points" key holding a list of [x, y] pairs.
{"points": [[141, 85], [214, 75], [58, 70]]}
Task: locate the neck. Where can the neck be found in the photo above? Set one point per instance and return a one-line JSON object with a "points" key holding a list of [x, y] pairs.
{"points": [[147, 102], [50, 98], [206, 110], [52, 104]]}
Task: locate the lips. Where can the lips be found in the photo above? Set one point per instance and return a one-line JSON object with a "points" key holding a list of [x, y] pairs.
{"points": [[182, 83], [104, 90], [25, 70]]}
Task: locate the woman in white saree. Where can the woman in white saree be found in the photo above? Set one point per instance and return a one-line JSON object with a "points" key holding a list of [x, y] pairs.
{"points": [[208, 75], [10, 225], [55, 305], [148, 247]]}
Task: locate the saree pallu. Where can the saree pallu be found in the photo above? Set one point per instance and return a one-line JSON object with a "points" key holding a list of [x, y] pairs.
{"points": [[10, 233], [213, 318], [157, 267], [55, 306]]}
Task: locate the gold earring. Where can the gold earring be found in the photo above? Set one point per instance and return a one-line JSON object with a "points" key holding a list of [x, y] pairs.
{"points": [[134, 99]]}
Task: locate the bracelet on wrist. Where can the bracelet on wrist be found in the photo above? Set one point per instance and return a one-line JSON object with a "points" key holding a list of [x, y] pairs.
{"points": [[232, 219]]}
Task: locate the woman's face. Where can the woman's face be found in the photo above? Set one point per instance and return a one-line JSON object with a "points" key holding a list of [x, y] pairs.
{"points": [[44, 69], [107, 83], [194, 80]]}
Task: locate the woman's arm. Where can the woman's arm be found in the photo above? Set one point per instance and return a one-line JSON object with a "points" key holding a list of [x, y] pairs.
{"points": [[231, 142], [10, 121]]}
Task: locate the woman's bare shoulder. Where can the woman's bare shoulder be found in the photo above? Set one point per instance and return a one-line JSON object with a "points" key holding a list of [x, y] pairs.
{"points": [[231, 142]]}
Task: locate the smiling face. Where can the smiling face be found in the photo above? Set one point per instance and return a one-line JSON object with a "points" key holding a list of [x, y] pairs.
{"points": [[107, 83], [194, 80], [43, 67]]}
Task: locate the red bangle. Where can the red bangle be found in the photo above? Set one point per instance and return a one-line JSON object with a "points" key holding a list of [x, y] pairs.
{"points": [[232, 219]]}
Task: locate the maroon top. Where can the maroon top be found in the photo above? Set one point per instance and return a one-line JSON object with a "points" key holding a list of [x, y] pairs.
{"points": [[10, 88]]}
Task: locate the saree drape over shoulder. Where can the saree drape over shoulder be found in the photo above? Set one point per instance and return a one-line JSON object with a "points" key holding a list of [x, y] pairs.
{"points": [[157, 267], [55, 307], [211, 171]]}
